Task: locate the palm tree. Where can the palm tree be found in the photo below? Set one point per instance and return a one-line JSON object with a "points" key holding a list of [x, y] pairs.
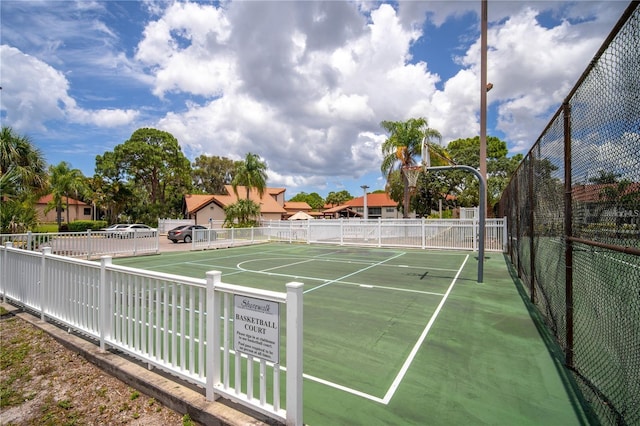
{"points": [[243, 211], [22, 165], [250, 173], [402, 146], [23, 178], [64, 182]]}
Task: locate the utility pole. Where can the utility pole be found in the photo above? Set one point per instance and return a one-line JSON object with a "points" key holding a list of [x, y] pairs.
{"points": [[366, 209]]}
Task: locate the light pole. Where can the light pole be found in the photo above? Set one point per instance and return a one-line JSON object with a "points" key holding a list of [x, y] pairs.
{"points": [[366, 209]]}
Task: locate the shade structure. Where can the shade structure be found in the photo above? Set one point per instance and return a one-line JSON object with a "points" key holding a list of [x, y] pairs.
{"points": [[301, 216]]}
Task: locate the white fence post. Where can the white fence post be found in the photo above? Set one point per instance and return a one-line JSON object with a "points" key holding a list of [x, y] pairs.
{"points": [[3, 275], [105, 302], [213, 334], [294, 354], [43, 281], [89, 244], [504, 235]]}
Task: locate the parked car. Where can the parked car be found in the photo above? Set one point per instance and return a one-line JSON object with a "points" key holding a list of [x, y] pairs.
{"points": [[130, 230], [183, 233], [111, 230]]}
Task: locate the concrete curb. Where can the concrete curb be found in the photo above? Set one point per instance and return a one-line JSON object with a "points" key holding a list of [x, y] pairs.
{"points": [[170, 392]]}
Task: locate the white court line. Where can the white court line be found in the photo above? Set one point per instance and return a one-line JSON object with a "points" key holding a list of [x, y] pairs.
{"points": [[344, 389], [240, 269], [416, 347], [353, 273], [405, 367]]}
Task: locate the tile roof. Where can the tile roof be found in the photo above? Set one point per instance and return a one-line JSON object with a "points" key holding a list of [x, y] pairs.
{"points": [[378, 199], [296, 205], [267, 203], [49, 198]]}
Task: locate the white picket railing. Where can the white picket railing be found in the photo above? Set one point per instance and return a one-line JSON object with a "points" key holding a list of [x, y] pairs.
{"points": [[89, 244], [158, 318], [461, 234], [458, 234]]}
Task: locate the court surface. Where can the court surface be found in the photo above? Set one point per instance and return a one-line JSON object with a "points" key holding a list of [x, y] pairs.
{"points": [[398, 337]]}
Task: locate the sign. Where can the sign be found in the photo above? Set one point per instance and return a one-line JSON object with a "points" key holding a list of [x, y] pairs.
{"points": [[256, 326]]}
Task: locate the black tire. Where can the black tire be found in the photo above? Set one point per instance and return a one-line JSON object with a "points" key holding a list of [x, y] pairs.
{"points": [[174, 241], [187, 239]]}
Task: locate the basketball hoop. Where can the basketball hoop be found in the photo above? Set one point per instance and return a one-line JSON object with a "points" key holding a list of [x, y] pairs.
{"points": [[412, 173]]}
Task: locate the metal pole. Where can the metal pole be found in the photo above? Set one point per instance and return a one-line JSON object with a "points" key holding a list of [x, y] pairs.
{"points": [[568, 233], [366, 210], [483, 92], [483, 212]]}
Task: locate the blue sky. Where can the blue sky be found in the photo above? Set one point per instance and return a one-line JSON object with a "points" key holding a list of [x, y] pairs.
{"points": [[303, 84]]}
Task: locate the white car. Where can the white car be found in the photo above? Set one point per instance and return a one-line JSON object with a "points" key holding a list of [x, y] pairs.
{"points": [[130, 231]]}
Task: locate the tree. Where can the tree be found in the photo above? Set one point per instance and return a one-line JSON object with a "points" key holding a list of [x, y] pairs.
{"points": [[250, 173], [338, 198], [401, 147], [23, 179], [22, 165], [211, 174], [499, 168], [111, 191], [244, 213], [152, 162], [314, 199], [64, 181], [433, 189]]}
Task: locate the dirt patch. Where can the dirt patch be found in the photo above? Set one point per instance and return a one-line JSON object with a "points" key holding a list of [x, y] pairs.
{"points": [[43, 383]]}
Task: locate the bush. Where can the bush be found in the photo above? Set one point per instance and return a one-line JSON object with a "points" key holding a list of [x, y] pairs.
{"points": [[84, 225]]}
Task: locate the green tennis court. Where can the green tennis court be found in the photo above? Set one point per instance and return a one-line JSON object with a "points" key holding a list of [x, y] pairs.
{"points": [[395, 336]]}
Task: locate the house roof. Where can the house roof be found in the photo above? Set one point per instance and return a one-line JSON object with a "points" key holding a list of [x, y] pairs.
{"points": [[195, 202], [297, 205], [596, 192], [267, 203], [49, 198], [340, 208], [378, 199]]}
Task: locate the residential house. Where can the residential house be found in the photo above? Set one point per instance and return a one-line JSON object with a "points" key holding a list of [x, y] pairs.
{"points": [[205, 209], [78, 210], [609, 202], [379, 205], [293, 207], [337, 212]]}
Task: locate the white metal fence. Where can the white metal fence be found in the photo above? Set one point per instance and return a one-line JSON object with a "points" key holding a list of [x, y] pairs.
{"points": [[460, 234], [89, 244], [165, 225], [178, 324]]}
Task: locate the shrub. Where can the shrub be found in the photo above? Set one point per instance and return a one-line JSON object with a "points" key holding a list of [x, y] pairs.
{"points": [[84, 225]]}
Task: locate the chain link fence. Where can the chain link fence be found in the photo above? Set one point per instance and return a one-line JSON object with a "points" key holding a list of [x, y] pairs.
{"points": [[573, 211]]}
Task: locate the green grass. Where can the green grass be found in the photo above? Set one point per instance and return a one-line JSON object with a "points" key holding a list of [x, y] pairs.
{"points": [[12, 356], [46, 227]]}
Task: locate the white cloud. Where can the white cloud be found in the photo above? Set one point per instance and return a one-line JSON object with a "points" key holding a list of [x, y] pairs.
{"points": [[103, 117], [34, 93], [304, 100], [533, 69], [186, 50], [303, 84]]}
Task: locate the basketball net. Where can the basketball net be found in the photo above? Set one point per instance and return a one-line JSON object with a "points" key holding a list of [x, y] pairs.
{"points": [[412, 173]]}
